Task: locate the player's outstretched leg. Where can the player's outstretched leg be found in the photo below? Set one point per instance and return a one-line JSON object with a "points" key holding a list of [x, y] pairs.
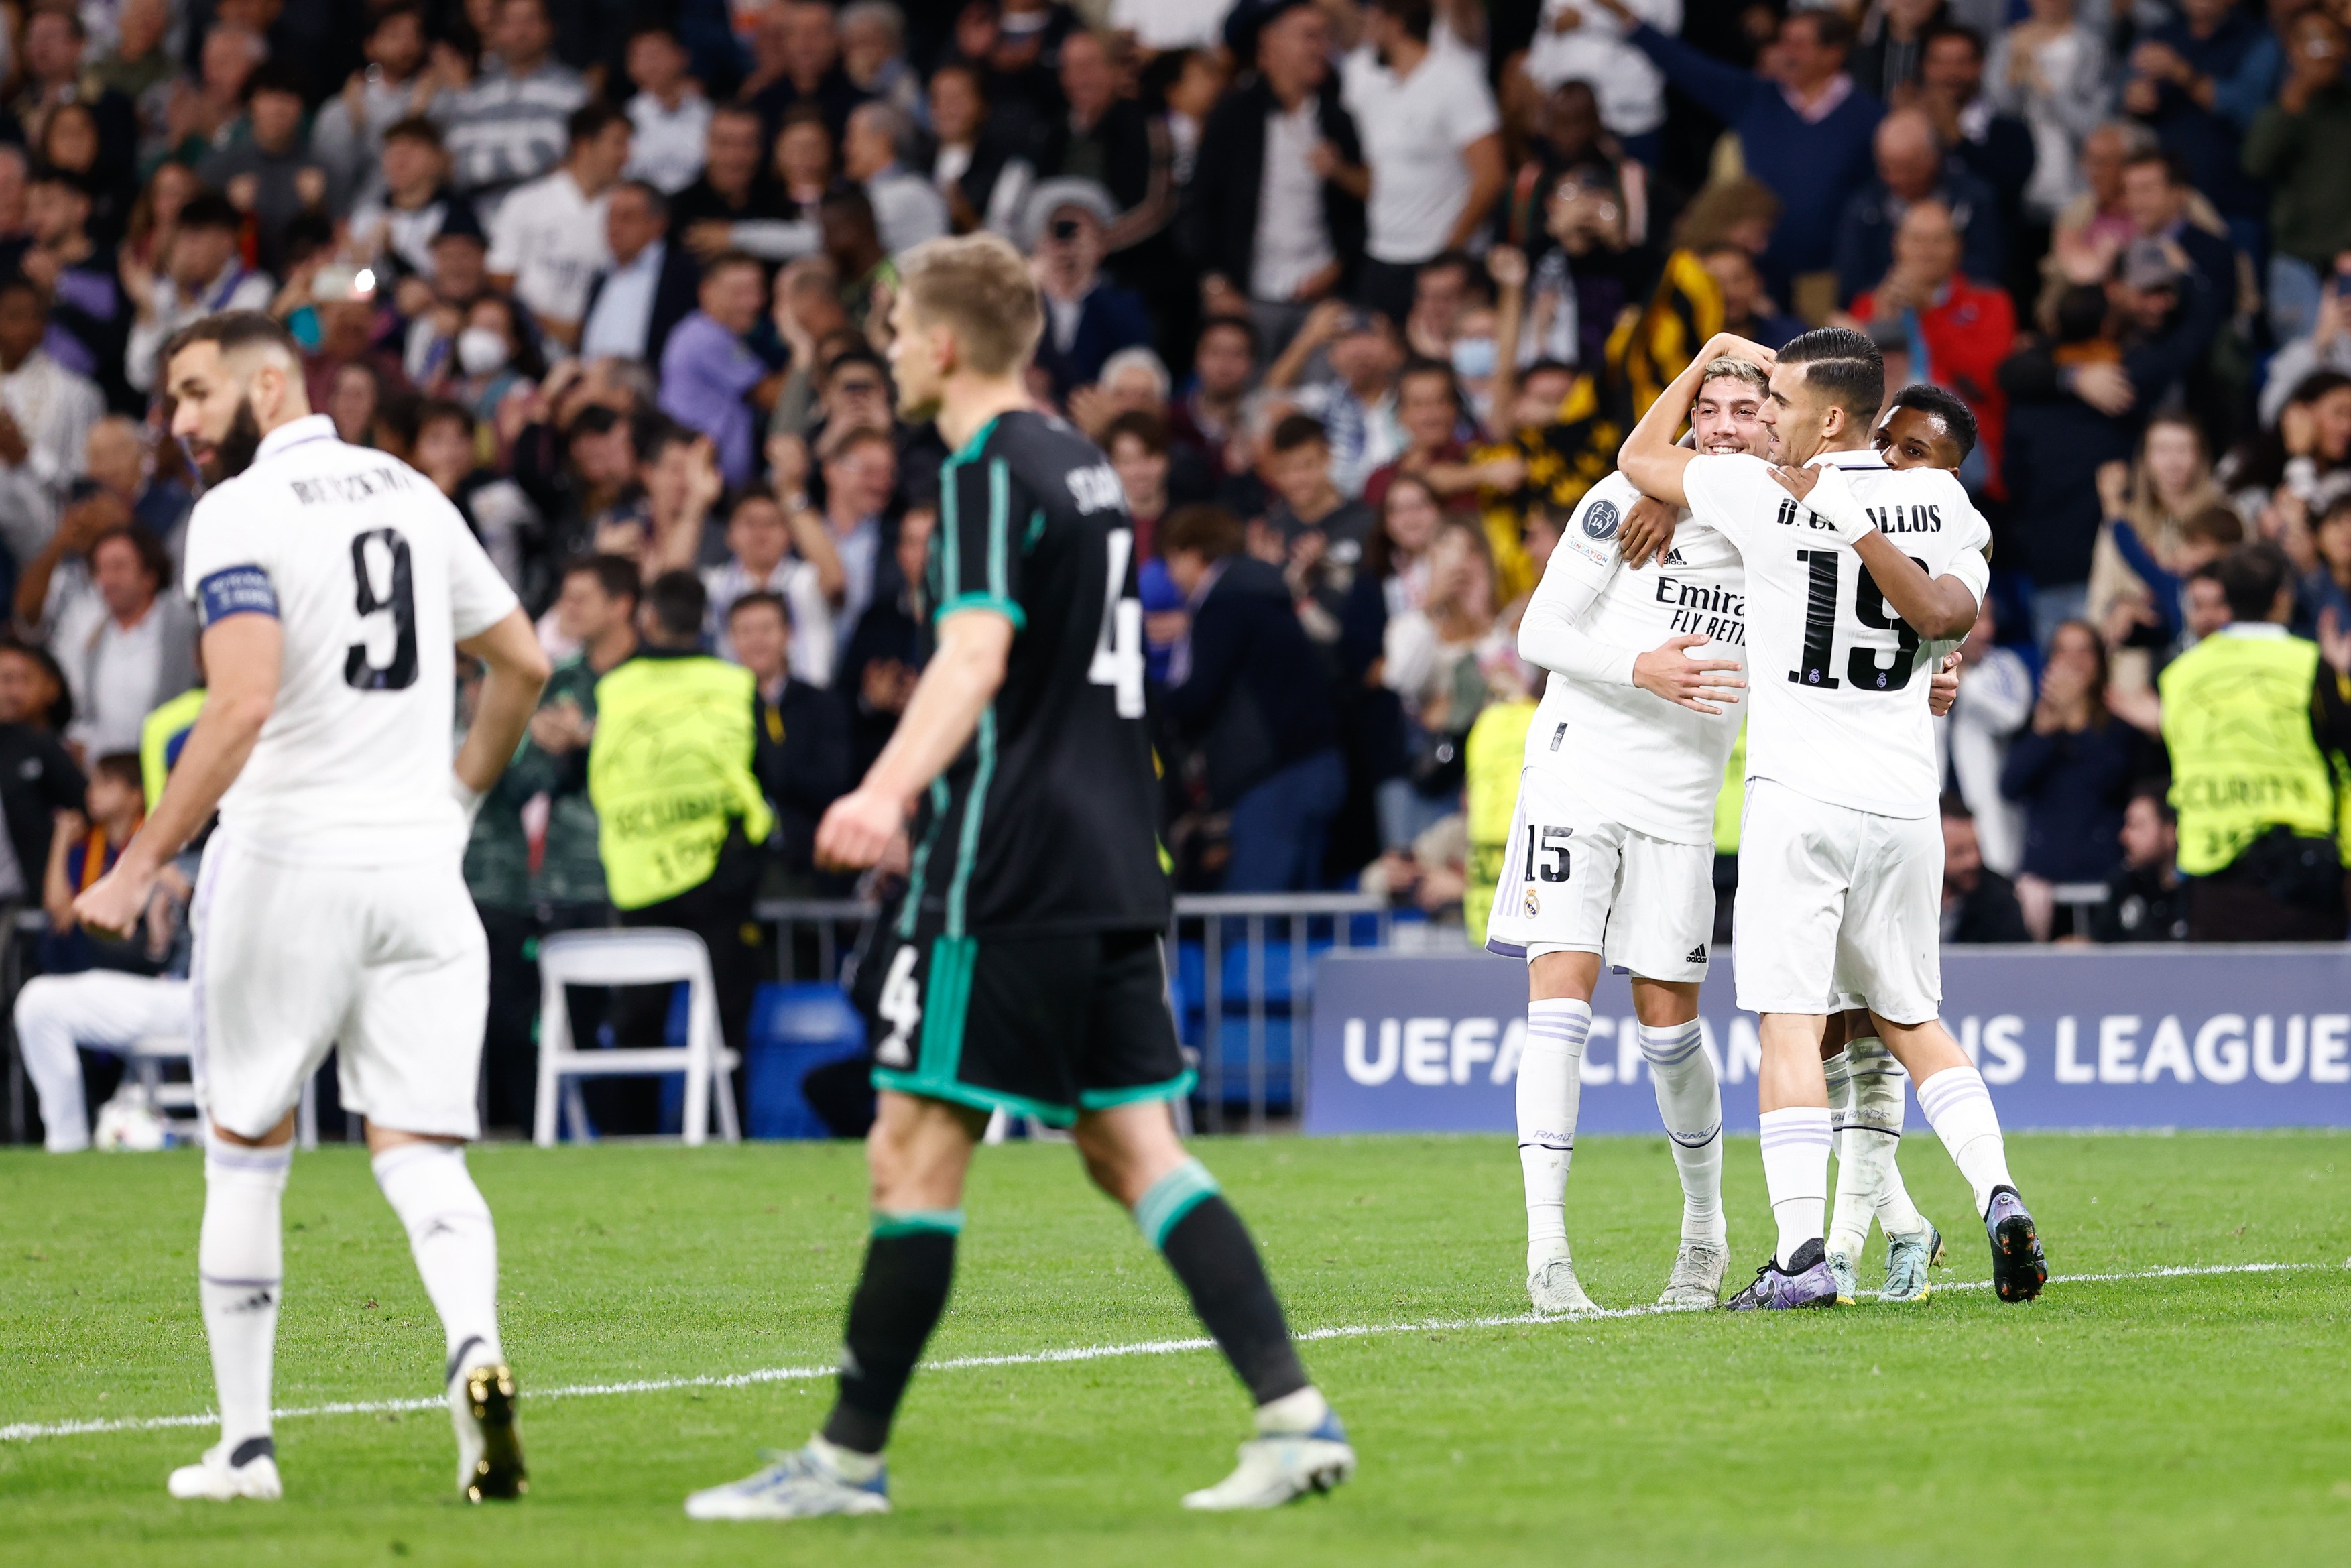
{"points": [[1959, 1107], [1912, 1243], [1689, 1101], [1796, 1139], [1550, 1086], [240, 1269], [455, 1245], [1856, 1199]]}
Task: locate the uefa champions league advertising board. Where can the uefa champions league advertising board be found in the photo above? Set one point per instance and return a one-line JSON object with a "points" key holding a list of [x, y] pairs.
{"points": [[2153, 1037]]}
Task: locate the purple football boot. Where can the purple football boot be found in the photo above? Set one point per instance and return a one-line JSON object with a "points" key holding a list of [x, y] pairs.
{"points": [[1804, 1282], [2018, 1268]]}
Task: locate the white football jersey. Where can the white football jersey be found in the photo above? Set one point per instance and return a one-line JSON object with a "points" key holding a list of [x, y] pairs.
{"points": [[1641, 760], [374, 576], [1838, 681]]}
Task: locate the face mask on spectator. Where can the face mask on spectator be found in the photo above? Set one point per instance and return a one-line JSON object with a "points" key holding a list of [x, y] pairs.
{"points": [[481, 351], [1473, 358]]}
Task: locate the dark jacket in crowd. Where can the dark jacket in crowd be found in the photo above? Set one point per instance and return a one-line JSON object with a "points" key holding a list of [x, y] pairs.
{"points": [[1217, 226], [677, 296], [2073, 785], [1986, 913], [1865, 239], [800, 754], [37, 780], [1109, 318], [1256, 697], [887, 632], [2147, 903], [2206, 141]]}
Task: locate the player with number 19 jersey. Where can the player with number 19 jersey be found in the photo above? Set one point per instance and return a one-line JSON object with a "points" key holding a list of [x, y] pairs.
{"points": [[1028, 976]]}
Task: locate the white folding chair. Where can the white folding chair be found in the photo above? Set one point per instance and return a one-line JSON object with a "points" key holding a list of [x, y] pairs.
{"points": [[649, 957], [178, 1101]]}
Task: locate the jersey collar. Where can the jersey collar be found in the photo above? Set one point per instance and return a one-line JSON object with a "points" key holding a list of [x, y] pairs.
{"points": [[310, 427], [1848, 460]]}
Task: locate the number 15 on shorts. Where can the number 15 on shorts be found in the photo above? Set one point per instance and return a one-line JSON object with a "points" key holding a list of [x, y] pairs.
{"points": [[901, 1007], [1547, 859]]}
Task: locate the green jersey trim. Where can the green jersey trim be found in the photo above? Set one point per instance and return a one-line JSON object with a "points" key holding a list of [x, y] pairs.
{"points": [[1002, 606], [1171, 1198], [1174, 1088], [917, 1222], [975, 807]]}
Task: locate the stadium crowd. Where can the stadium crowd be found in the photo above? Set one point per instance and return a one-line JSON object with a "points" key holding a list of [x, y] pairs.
{"points": [[1359, 299]]}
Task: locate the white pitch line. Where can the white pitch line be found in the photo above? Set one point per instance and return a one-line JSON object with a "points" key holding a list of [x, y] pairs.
{"points": [[27, 1431]]}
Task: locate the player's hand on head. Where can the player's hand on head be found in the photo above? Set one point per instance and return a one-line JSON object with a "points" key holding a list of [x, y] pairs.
{"points": [[857, 829], [1700, 685]]}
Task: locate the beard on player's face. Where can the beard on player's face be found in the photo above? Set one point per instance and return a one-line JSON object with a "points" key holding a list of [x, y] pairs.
{"points": [[233, 453]]}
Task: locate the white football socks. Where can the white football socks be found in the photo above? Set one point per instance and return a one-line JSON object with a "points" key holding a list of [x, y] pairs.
{"points": [[1796, 1174], [240, 1267], [1690, 1103], [1866, 1108], [1550, 1083], [453, 1243], [1959, 1107]]}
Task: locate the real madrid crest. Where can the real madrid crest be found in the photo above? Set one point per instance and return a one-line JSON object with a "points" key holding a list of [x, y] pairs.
{"points": [[1534, 904]]}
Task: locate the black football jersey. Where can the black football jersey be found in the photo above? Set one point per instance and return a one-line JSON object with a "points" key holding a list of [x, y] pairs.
{"points": [[1049, 819]]}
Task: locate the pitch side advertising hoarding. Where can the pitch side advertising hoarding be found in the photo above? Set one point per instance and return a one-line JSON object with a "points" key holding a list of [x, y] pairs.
{"points": [[2148, 1036]]}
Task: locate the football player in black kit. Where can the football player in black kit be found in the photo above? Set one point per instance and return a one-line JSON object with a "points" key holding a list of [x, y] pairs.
{"points": [[1025, 975]]}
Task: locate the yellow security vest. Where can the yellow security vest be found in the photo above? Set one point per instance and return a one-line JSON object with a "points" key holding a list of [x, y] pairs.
{"points": [[669, 770], [2236, 717], [1730, 801], [1493, 757], [161, 736]]}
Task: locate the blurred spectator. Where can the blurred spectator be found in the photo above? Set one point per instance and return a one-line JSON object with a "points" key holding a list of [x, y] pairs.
{"points": [[200, 274], [1995, 698], [497, 868], [84, 848], [269, 174], [1432, 142], [874, 54], [45, 415], [2172, 84], [1954, 330], [906, 206], [1913, 168], [138, 655], [762, 536], [55, 74], [2300, 145], [89, 319], [1803, 127], [494, 505], [1247, 691], [38, 778], [977, 165], [1979, 903], [2255, 720], [801, 736], [2326, 346], [651, 286], [2161, 205], [1274, 215], [396, 224], [1435, 657], [2146, 901], [2052, 71], [507, 124], [1891, 45], [1995, 145], [200, 110], [796, 50], [861, 472], [595, 613], [1573, 44], [1109, 139], [884, 656], [2093, 228], [349, 134], [711, 380], [2326, 588], [1207, 416], [1088, 317], [1355, 398], [1746, 309], [1136, 444], [547, 243], [669, 116], [2305, 460], [2070, 769], [736, 198], [1312, 530]]}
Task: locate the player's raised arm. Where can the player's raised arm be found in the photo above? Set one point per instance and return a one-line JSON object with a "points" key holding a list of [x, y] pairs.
{"points": [[1935, 607], [1649, 457], [242, 654]]}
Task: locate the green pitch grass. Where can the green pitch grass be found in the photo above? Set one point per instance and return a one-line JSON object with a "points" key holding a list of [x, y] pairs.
{"points": [[2188, 1419]]}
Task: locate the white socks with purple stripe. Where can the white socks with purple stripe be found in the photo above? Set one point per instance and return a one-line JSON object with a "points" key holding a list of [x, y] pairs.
{"points": [[1690, 1103], [1959, 1107], [240, 1269], [451, 1237], [1550, 1083], [1796, 1173]]}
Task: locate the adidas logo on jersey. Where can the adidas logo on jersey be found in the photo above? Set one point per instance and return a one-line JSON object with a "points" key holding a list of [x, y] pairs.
{"points": [[1696, 955], [1674, 557]]}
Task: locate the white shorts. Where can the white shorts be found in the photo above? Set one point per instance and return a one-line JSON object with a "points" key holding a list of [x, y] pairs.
{"points": [[1837, 909], [1574, 879], [387, 962]]}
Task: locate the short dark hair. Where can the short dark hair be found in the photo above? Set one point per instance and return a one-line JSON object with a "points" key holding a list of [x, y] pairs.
{"points": [[209, 210], [1141, 423], [1842, 363], [122, 766], [1418, 17], [274, 76], [413, 128], [433, 410], [590, 120], [755, 600], [1241, 324], [1967, 36], [2218, 524], [615, 574], [653, 433], [154, 558], [2175, 168], [2252, 575], [1830, 28], [656, 202], [1421, 365], [731, 259], [678, 602], [232, 330], [1943, 404], [1297, 430], [1212, 531]]}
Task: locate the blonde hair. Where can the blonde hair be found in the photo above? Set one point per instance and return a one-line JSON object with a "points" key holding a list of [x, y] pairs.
{"points": [[1724, 367], [978, 287]]}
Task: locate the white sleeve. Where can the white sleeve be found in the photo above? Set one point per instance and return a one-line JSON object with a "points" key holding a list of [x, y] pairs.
{"points": [[1551, 636], [228, 567], [506, 237], [478, 595], [1408, 652], [1967, 563], [1472, 115], [1834, 502], [1720, 491]]}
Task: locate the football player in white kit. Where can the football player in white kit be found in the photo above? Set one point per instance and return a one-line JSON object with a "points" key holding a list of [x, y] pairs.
{"points": [[1840, 849], [332, 583]]}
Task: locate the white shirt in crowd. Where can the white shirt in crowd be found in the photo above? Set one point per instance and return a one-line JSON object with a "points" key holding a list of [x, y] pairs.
{"points": [[907, 209], [549, 235], [238, 288], [113, 674], [624, 306], [1293, 243], [1414, 130], [1995, 699], [1161, 25], [349, 549], [1838, 685], [1636, 757], [1627, 83], [54, 409], [813, 648], [666, 144]]}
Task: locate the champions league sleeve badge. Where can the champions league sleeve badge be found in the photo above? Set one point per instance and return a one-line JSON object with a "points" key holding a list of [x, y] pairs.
{"points": [[1600, 520]]}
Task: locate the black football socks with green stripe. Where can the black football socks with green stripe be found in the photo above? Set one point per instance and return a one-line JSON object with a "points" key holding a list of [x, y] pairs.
{"points": [[1186, 1217], [909, 1265]]}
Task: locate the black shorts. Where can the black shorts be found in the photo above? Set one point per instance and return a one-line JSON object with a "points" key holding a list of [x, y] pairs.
{"points": [[1036, 1025]]}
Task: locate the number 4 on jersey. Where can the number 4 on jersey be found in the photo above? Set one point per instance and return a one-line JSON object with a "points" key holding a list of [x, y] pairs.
{"points": [[1118, 652], [901, 1007]]}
